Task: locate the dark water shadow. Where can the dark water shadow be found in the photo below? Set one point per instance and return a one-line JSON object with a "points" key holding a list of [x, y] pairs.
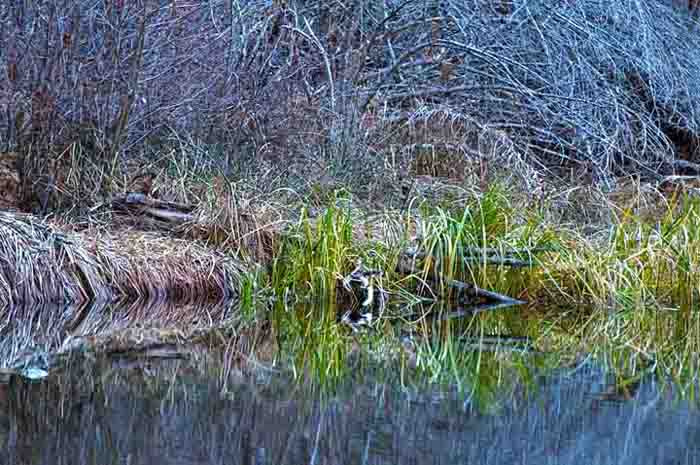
{"points": [[203, 410]]}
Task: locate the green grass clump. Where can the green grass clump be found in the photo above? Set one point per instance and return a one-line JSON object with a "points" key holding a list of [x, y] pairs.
{"points": [[627, 296], [317, 252], [475, 243], [638, 265], [313, 255], [305, 275], [637, 291]]}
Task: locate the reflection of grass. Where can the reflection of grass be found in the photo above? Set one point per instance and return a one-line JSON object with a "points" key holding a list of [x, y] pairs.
{"points": [[472, 353]]}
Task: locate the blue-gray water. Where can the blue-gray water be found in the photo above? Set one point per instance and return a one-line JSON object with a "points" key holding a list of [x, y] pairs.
{"points": [[200, 412]]}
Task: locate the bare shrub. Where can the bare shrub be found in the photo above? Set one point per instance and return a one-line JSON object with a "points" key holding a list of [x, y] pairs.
{"points": [[591, 83]]}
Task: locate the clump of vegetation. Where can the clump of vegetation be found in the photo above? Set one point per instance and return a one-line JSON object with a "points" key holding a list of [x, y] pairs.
{"points": [[315, 253], [641, 284], [44, 263], [627, 295], [484, 241]]}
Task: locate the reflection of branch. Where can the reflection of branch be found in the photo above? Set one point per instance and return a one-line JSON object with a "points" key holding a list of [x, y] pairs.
{"points": [[473, 310], [314, 454], [484, 346]]}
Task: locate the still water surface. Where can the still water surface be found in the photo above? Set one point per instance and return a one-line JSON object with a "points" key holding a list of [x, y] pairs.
{"points": [[198, 411]]}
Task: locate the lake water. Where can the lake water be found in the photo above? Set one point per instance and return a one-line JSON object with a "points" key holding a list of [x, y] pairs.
{"points": [[198, 410]]}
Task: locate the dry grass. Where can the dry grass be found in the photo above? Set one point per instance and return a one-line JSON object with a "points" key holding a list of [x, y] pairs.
{"points": [[41, 263], [231, 217], [154, 266]]}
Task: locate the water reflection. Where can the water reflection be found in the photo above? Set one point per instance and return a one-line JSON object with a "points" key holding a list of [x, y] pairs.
{"points": [[198, 410], [42, 331]]}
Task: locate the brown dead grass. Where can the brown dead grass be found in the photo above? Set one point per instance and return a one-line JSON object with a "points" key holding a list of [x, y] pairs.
{"points": [[149, 265], [232, 218], [41, 262]]}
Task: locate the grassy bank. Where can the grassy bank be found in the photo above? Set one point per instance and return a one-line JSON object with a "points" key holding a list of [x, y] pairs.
{"points": [[46, 262], [620, 284]]}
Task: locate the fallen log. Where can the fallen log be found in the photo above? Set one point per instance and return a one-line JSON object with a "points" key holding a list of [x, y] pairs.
{"points": [[142, 204], [469, 290], [474, 291], [493, 256], [505, 261]]}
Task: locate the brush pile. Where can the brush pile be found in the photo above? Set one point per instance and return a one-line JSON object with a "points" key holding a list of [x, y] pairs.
{"points": [[597, 88]]}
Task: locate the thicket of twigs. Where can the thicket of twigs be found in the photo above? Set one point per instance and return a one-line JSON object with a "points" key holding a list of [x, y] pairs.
{"points": [[593, 86]]}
